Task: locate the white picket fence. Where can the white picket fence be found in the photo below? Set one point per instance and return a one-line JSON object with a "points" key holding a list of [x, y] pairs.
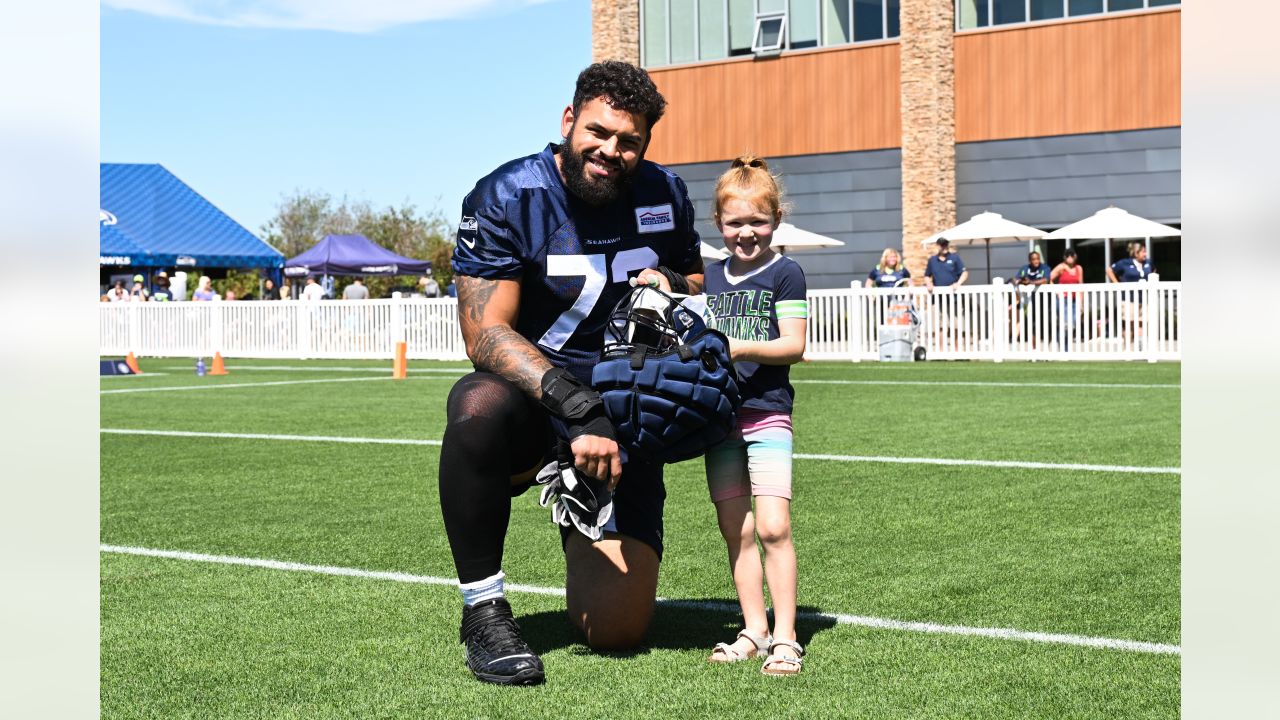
{"points": [[1136, 321]]}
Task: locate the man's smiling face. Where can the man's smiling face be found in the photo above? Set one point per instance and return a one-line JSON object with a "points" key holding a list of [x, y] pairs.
{"points": [[603, 147]]}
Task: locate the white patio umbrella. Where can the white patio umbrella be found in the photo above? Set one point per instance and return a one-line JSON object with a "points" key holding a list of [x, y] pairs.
{"points": [[789, 237], [1110, 223], [710, 252], [990, 228]]}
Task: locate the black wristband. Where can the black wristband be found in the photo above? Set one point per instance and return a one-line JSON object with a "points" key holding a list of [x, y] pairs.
{"points": [[679, 284], [578, 405]]}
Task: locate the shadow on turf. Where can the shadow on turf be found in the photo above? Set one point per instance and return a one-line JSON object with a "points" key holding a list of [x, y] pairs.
{"points": [[674, 627]]}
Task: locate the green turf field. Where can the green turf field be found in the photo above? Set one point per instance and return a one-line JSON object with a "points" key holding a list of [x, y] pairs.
{"points": [[1091, 553]]}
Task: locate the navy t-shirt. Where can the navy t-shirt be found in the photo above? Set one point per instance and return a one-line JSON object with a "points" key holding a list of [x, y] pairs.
{"points": [[1032, 274], [1130, 270], [748, 308], [573, 259], [944, 272], [888, 278]]}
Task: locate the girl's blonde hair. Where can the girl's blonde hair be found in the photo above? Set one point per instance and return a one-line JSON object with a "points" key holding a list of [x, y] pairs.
{"points": [[748, 178], [884, 259]]}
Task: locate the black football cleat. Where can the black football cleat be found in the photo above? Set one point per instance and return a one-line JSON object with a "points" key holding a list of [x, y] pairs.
{"points": [[495, 651]]}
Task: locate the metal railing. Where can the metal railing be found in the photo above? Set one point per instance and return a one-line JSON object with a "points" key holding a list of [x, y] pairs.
{"points": [[1133, 321]]}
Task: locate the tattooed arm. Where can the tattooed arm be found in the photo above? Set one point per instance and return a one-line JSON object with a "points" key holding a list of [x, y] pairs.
{"points": [[487, 310]]}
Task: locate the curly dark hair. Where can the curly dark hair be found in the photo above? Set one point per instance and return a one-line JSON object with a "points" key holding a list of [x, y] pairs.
{"points": [[624, 86]]}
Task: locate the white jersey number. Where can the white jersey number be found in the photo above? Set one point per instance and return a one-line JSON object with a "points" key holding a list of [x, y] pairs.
{"points": [[598, 276]]}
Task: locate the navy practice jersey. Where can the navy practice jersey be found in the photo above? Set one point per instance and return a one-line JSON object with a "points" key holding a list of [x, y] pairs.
{"points": [[748, 308], [573, 260]]}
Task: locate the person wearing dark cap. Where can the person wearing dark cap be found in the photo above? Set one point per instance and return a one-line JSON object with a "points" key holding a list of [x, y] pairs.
{"points": [[945, 268], [160, 291]]}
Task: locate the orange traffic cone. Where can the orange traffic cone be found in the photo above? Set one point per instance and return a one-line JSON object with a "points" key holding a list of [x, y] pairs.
{"points": [[218, 367], [400, 364], [132, 362]]}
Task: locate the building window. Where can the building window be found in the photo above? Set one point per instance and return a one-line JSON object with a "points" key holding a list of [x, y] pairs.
{"points": [[682, 31], [770, 30], [684, 27], [972, 14], [713, 31], [1008, 11], [802, 24]]}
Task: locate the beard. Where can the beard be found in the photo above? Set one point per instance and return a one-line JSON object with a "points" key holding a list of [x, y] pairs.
{"points": [[591, 189]]}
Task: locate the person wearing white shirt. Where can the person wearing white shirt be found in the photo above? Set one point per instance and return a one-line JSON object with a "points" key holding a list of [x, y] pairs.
{"points": [[312, 291]]}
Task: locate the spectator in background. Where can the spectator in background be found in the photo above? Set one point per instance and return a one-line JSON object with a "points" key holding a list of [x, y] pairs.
{"points": [[889, 272], [356, 291], [1068, 272], [118, 293], [204, 290], [945, 268], [1134, 268], [138, 293], [160, 291], [312, 291], [230, 296], [286, 290], [269, 290], [428, 286], [452, 290], [1029, 279]]}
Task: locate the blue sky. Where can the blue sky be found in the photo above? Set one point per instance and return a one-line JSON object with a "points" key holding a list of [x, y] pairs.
{"points": [[381, 100]]}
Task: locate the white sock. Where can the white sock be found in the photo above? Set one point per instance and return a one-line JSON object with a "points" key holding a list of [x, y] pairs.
{"points": [[481, 590]]}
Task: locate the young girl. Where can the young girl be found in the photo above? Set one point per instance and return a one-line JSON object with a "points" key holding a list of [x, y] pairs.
{"points": [[758, 298]]}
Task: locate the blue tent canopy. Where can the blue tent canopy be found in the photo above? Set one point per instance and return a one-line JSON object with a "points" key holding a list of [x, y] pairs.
{"points": [[150, 218], [352, 255], [115, 248]]}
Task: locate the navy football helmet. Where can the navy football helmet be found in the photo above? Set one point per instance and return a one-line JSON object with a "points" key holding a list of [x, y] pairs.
{"points": [[666, 377]]}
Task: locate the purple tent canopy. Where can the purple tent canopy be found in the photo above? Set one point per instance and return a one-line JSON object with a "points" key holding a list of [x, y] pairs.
{"points": [[352, 255]]}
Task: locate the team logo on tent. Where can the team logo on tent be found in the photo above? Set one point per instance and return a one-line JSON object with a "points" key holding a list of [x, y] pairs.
{"points": [[106, 218]]}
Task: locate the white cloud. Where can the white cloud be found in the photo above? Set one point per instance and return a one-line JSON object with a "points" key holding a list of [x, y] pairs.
{"points": [[355, 16]]}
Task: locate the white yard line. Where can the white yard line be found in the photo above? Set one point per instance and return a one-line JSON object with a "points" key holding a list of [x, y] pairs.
{"points": [[263, 436], [324, 368], [178, 388], [978, 383], [799, 456], [942, 383], [148, 373], [1027, 465], [840, 618]]}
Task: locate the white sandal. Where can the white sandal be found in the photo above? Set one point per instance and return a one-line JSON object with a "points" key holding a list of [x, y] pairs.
{"points": [[727, 653], [775, 659]]}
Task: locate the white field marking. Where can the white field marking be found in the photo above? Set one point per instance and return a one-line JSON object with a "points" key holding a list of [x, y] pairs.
{"points": [[176, 388], [299, 368], [980, 383], [260, 436], [1026, 465], [1018, 464], [840, 618], [148, 373]]}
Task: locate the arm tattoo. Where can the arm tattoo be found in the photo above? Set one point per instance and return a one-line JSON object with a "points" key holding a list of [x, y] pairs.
{"points": [[497, 348], [474, 295], [503, 351]]}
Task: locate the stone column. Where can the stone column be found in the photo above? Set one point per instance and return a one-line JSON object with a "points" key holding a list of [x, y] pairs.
{"points": [[927, 78], [615, 30]]}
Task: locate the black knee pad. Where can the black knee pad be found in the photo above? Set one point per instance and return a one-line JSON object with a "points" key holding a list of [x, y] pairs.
{"points": [[492, 418]]}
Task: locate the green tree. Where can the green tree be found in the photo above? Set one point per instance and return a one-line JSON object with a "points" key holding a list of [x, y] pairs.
{"points": [[306, 217]]}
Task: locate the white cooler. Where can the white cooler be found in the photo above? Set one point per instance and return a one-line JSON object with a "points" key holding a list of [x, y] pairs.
{"points": [[896, 343]]}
